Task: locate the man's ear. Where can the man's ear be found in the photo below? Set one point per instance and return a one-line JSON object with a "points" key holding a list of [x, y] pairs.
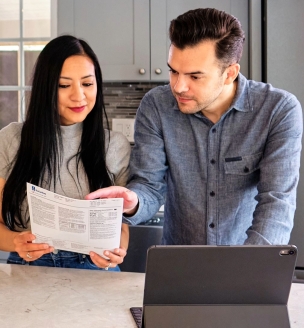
{"points": [[231, 73]]}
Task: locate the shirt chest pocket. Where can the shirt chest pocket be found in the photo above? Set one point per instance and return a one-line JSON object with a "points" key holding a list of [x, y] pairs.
{"points": [[242, 165]]}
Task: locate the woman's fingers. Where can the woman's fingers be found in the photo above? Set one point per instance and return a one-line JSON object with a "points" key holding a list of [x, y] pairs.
{"points": [[32, 255], [117, 256], [114, 258], [28, 250]]}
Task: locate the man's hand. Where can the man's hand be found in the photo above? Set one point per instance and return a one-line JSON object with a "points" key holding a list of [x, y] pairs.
{"points": [[130, 204]]}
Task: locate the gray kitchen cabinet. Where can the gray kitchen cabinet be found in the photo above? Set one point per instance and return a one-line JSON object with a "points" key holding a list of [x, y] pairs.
{"points": [[118, 32], [130, 37]]}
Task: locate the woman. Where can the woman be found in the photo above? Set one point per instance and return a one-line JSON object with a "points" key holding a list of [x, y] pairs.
{"points": [[63, 147]]}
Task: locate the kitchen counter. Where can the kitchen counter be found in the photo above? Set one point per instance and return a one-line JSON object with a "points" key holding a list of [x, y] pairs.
{"points": [[55, 297], [52, 297]]}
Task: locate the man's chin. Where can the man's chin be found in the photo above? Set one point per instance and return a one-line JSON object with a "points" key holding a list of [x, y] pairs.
{"points": [[187, 109]]}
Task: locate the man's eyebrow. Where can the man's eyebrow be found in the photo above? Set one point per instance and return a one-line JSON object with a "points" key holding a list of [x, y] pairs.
{"points": [[84, 77], [171, 67], [190, 73]]}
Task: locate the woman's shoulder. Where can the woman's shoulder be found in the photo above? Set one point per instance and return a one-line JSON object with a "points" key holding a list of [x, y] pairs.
{"points": [[12, 127], [119, 146], [118, 157], [117, 138], [9, 144], [11, 132]]}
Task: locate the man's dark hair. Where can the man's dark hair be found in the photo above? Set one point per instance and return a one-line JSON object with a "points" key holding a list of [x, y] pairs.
{"points": [[204, 24]]}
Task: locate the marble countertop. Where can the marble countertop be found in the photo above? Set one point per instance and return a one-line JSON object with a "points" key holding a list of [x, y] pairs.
{"points": [[53, 297]]}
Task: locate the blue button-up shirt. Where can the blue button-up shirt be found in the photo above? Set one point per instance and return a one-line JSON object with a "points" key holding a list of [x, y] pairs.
{"points": [[232, 182]]}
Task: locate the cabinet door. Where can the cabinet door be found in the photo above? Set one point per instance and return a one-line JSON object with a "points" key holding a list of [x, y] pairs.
{"points": [[118, 31], [162, 12]]}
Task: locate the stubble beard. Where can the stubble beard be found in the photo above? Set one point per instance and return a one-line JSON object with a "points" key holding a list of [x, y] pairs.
{"points": [[203, 105], [199, 106]]}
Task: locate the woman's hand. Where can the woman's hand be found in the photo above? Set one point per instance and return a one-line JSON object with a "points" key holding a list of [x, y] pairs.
{"points": [[116, 257], [28, 250]]}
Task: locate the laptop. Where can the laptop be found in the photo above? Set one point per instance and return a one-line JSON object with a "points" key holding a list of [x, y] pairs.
{"points": [[217, 286]]}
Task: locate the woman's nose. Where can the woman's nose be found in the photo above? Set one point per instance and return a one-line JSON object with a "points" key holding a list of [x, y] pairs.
{"points": [[77, 94]]}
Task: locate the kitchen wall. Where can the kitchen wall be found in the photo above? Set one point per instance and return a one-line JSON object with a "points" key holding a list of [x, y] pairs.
{"points": [[122, 99]]}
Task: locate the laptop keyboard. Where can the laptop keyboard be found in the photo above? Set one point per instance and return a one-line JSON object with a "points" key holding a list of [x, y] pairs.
{"points": [[137, 314]]}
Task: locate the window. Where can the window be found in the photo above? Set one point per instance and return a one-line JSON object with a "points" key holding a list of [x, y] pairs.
{"points": [[25, 27]]}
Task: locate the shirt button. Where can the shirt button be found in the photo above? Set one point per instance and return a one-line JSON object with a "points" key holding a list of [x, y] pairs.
{"points": [[212, 161], [212, 194], [246, 169], [211, 225], [213, 130]]}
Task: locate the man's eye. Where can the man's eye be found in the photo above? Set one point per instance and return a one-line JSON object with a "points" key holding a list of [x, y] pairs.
{"points": [[194, 77], [63, 86], [172, 71]]}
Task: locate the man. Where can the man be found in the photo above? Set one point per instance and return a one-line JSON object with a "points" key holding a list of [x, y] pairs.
{"points": [[223, 151]]}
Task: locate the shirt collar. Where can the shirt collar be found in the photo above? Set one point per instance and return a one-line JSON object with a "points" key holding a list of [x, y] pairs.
{"points": [[242, 101]]}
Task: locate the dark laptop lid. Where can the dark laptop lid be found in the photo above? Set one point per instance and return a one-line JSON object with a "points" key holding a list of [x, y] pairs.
{"points": [[218, 286], [219, 274]]}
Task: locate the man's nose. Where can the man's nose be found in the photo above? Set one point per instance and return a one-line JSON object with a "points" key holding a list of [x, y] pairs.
{"points": [[181, 84]]}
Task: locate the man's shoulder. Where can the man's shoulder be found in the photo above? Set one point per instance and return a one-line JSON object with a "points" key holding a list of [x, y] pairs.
{"points": [[158, 100], [160, 89], [261, 98], [161, 93], [261, 92]]}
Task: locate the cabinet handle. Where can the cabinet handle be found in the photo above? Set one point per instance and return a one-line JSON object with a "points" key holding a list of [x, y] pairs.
{"points": [[158, 71], [142, 71]]}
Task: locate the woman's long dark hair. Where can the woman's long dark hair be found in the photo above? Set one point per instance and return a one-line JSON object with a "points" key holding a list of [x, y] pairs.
{"points": [[40, 153]]}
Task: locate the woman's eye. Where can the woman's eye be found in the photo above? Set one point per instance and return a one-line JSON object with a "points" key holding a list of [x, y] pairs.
{"points": [[63, 86], [87, 84]]}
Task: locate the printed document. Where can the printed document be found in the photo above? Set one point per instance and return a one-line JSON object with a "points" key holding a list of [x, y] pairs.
{"points": [[74, 225]]}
